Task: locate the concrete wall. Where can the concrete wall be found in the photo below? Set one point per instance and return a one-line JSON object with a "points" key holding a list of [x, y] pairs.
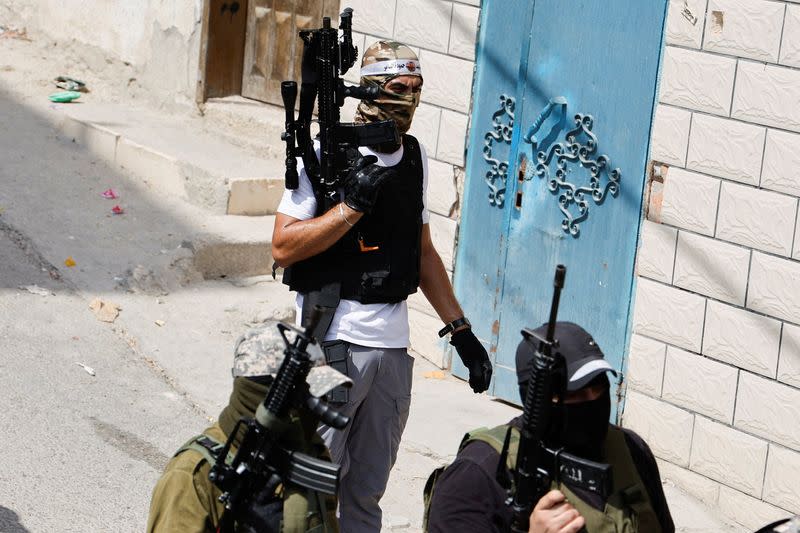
{"points": [[443, 33], [159, 38], [714, 371]]}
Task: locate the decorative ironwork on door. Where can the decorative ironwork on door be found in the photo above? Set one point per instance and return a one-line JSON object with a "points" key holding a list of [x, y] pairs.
{"points": [[553, 163], [510, 234], [502, 128]]}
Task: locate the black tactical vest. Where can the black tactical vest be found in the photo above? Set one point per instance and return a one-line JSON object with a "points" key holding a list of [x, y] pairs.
{"points": [[378, 260]]}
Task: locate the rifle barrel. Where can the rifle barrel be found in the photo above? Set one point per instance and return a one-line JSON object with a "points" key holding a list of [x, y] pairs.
{"points": [[558, 284], [532, 471]]}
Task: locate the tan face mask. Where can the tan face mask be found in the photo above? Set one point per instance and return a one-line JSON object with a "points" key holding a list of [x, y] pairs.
{"points": [[388, 105]]}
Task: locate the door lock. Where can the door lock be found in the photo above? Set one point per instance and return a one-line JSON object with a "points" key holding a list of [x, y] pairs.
{"points": [[523, 163]]}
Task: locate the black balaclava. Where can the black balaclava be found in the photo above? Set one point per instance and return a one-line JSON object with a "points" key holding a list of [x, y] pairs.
{"points": [[581, 428]]}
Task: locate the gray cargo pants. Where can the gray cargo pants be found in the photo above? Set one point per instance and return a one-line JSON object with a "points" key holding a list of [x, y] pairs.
{"points": [[367, 448]]}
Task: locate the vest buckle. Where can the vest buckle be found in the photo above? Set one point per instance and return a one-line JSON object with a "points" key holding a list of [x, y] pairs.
{"points": [[364, 248]]}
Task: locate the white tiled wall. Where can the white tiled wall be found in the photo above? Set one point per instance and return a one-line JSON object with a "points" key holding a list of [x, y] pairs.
{"points": [[697, 80], [714, 367], [753, 513], [781, 161], [726, 148], [657, 251], [728, 456], [700, 384], [789, 361], [666, 429], [646, 365], [711, 267], [767, 94], [780, 482], [690, 201], [744, 28], [670, 135], [669, 314], [741, 338]]}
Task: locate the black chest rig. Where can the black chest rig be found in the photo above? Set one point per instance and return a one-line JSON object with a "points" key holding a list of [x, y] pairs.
{"points": [[378, 260]]}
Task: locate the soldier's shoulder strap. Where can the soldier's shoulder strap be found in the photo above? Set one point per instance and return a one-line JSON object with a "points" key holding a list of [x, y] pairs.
{"points": [[411, 142], [499, 438], [208, 447], [504, 439]]}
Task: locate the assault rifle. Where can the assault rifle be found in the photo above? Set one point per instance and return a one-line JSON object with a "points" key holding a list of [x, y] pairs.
{"points": [[325, 60], [261, 463], [537, 464]]}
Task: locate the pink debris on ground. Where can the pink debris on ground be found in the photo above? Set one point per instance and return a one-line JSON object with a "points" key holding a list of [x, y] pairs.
{"points": [[117, 210], [109, 194]]}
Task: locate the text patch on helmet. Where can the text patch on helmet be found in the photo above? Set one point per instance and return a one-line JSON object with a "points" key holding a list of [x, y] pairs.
{"points": [[396, 67]]}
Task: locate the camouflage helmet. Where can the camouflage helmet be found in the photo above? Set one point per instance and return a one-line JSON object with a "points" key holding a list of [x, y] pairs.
{"points": [[382, 62], [390, 58], [259, 352]]}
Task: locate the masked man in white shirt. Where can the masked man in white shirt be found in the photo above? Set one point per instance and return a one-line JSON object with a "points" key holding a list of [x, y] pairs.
{"points": [[376, 245]]}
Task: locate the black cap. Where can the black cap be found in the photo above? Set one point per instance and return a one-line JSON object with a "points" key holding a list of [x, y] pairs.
{"points": [[583, 357]]}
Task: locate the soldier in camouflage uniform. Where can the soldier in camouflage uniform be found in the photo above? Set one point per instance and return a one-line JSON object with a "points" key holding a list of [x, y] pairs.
{"points": [[185, 501], [377, 244]]}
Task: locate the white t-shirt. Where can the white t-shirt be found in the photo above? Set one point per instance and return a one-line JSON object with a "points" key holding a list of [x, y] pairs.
{"points": [[373, 325]]}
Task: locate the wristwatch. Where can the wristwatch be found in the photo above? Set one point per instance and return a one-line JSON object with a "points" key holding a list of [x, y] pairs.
{"points": [[451, 327]]}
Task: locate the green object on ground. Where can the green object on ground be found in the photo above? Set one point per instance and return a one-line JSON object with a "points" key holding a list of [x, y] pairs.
{"points": [[64, 96]]}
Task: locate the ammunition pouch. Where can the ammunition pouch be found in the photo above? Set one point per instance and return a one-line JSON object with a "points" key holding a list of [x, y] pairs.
{"points": [[336, 355]]}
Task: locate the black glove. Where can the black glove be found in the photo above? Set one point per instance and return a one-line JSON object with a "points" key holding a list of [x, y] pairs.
{"points": [[363, 183], [474, 357], [263, 515]]}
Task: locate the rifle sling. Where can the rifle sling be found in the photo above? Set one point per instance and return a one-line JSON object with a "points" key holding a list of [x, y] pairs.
{"points": [[327, 300]]}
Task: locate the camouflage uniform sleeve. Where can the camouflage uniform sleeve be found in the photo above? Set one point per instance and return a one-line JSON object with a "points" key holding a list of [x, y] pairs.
{"points": [[177, 505]]}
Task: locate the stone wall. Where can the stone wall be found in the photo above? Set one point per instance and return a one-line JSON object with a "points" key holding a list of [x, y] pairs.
{"points": [[714, 370], [159, 39]]}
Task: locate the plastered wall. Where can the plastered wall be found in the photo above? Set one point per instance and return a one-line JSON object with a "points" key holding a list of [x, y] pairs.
{"points": [[159, 38], [714, 369]]}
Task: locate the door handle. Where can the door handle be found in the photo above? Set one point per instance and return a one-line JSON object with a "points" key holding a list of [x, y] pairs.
{"points": [[530, 138], [548, 109]]}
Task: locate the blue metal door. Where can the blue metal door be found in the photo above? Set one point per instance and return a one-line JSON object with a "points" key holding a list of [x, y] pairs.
{"points": [[564, 93]]}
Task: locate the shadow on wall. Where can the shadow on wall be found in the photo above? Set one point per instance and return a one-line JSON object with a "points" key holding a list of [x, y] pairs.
{"points": [[9, 522]]}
